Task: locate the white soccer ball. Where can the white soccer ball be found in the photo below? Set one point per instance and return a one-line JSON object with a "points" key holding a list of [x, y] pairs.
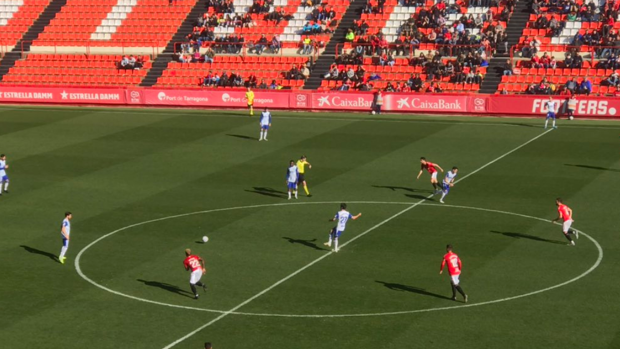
{"points": [[205, 239], [570, 117], [373, 112]]}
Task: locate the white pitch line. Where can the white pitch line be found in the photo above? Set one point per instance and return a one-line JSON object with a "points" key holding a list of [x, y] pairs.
{"points": [[78, 268], [343, 245]]}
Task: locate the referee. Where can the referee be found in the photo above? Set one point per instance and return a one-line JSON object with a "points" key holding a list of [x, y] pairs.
{"points": [[301, 168]]}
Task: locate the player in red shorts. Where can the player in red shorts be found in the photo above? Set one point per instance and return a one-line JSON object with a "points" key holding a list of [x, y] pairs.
{"points": [[566, 215], [430, 167], [454, 269], [197, 267]]}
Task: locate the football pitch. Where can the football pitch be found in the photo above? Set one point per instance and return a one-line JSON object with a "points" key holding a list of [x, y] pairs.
{"points": [[144, 185]]}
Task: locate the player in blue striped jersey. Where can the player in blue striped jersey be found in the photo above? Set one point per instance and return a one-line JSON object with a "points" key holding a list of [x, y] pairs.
{"points": [[265, 123], [292, 175], [552, 108], [65, 231], [342, 217], [448, 182], [4, 178]]}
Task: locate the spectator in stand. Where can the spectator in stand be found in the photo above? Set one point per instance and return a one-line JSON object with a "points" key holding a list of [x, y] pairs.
{"points": [[124, 63], [350, 36], [585, 88], [294, 73], [207, 80], [252, 81], [571, 85], [535, 62], [261, 44], [224, 80], [273, 85], [613, 80], [503, 91], [237, 80], [508, 68], [196, 57], [263, 85], [555, 26], [434, 88], [305, 72], [333, 73], [417, 84], [306, 47], [209, 55], [275, 44]]}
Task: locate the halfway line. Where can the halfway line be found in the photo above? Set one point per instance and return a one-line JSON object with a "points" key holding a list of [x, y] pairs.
{"points": [[343, 245]]}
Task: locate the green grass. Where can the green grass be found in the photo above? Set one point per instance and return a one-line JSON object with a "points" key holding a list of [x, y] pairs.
{"points": [[117, 167]]}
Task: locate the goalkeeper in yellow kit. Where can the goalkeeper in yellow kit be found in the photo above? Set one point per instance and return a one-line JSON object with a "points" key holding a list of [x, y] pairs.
{"points": [[249, 95], [301, 168]]}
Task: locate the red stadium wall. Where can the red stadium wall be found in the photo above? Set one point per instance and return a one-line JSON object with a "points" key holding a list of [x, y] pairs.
{"points": [[522, 105]]}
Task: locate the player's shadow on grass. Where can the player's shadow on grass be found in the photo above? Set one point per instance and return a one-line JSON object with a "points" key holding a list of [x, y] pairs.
{"points": [[241, 136], [167, 287], [594, 167], [418, 196], [268, 192], [42, 253], [412, 289], [395, 188], [307, 243], [526, 236]]}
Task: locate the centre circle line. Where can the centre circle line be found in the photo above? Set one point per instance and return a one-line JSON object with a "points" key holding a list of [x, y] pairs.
{"points": [[83, 276]]}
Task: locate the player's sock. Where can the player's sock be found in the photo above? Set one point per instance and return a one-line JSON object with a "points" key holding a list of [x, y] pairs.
{"points": [[553, 123], [546, 123], [261, 135], [289, 194], [306, 189], [329, 242], [6, 186], [568, 237], [193, 289], [63, 250], [453, 291], [251, 111], [443, 195], [574, 232], [265, 135], [295, 194], [336, 244], [458, 288]]}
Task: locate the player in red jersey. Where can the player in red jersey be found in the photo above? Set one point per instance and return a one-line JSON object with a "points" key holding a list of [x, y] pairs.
{"points": [[430, 167], [454, 269], [197, 267], [566, 215]]}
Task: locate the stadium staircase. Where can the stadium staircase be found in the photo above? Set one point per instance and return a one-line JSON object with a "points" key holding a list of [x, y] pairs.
{"points": [[322, 64], [33, 32], [161, 62], [514, 29]]}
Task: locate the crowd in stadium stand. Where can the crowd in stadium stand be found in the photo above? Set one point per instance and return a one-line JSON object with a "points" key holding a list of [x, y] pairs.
{"points": [[131, 62], [594, 37], [458, 56]]}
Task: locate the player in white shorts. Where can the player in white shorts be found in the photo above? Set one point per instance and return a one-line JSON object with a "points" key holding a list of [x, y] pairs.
{"points": [[342, 217], [552, 108], [265, 124], [65, 231], [566, 215], [4, 178], [196, 265], [448, 182]]}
